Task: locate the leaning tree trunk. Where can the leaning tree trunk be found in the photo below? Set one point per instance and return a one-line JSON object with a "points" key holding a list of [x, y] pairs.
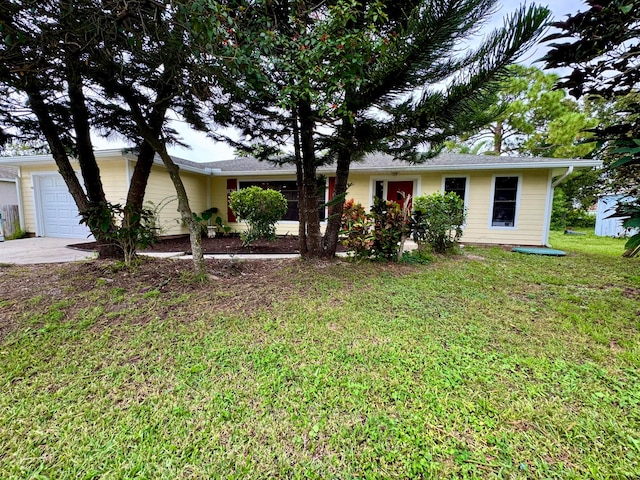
{"points": [[334, 222], [153, 138], [343, 163], [106, 249], [195, 232], [88, 163]]}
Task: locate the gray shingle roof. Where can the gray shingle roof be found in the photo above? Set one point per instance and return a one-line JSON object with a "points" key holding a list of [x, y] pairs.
{"points": [[371, 163], [381, 162]]}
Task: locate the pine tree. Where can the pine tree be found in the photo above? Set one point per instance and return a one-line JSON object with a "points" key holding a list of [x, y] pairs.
{"points": [[340, 79]]}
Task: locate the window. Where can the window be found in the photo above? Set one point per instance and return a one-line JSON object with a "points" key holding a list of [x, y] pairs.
{"points": [[457, 185], [289, 189], [505, 201], [379, 189]]}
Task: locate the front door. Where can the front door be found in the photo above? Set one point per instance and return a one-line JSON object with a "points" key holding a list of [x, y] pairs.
{"points": [[395, 191]]}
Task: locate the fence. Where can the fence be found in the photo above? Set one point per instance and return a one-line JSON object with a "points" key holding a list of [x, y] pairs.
{"points": [[10, 219]]}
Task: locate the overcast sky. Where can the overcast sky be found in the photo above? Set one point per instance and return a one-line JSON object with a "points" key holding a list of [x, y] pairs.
{"points": [[205, 150]]}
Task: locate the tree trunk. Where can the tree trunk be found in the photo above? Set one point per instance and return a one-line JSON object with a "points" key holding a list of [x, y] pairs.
{"points": [[343, 163], [195, 232], [88, 164], [334, 221], [140, 177], [497, 139], [302, 218], [309, 203], [106, 249]]}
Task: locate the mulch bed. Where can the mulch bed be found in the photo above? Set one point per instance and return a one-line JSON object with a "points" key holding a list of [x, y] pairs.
{"points": [[220, 245]]}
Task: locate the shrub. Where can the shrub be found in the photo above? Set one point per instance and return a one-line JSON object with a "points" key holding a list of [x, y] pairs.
{"points": [[124, 226], [204, 219], [376, 235], [437, 221], [356, 229], [419, 256], [564, 216], [389, 229], [260, 209]]}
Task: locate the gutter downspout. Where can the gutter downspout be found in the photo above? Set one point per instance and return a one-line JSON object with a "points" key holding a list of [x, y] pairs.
{"points": [[563, 177]]}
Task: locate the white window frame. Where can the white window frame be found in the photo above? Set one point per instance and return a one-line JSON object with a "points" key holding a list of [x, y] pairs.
{"points": [[466, 186], [491, 204]]}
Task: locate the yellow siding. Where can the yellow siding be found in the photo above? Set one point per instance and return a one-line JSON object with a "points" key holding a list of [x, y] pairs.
{"points": [[205, 192], [113, 176], [28, 201], [530, 222], [219, 200], [160, 191], [530, 215], [360, 189], [161, 194], [218, 193], [114, 180]]}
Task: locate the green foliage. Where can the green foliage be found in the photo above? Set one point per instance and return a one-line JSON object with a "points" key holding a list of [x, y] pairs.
{"points": [[222, 228], [204, 216], [260, 209], [602, 47], [630, 209], [510, 367], [356, 229], [437, 221], [128, 228], [376, 235], [419, 256], [18, 233], [389, 228], [559, 211], [204, 219], [320, 73], [535, 120], [564, 214], [583, 187]]}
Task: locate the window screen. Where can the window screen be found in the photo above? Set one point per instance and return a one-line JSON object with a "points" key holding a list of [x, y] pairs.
{"points": [[505, 197]]}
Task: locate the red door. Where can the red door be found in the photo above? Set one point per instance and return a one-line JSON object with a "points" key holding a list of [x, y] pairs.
{"points": [[396, 189]]}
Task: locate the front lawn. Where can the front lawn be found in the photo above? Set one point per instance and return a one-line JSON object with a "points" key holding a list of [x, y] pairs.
{"points": [[488, 365], [588, 243]]}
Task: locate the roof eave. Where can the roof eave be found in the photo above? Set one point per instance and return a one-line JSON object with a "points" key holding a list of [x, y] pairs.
{"points": [[420, 168], [48, 159], [493, 166], [184, 168]]}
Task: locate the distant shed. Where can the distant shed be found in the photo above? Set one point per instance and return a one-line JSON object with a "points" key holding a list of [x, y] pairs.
{"points": [[607, 226], [8, 186]]}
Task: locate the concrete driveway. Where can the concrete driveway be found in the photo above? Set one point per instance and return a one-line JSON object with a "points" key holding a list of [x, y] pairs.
{"points": [[42, 250]]}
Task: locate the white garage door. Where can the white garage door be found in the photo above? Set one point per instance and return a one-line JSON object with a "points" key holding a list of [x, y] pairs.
{"points": [[58, 214]]}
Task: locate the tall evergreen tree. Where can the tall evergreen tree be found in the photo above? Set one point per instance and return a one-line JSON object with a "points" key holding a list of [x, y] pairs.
{"points": [[119, 66], [340, 79], [535, 119]]}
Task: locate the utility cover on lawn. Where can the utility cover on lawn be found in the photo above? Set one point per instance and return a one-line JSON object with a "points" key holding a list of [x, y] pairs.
{"points": [[539, 251]]}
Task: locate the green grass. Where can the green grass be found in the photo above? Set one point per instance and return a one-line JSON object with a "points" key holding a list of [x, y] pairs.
{"points": [[587, 243], [509, 366]]}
